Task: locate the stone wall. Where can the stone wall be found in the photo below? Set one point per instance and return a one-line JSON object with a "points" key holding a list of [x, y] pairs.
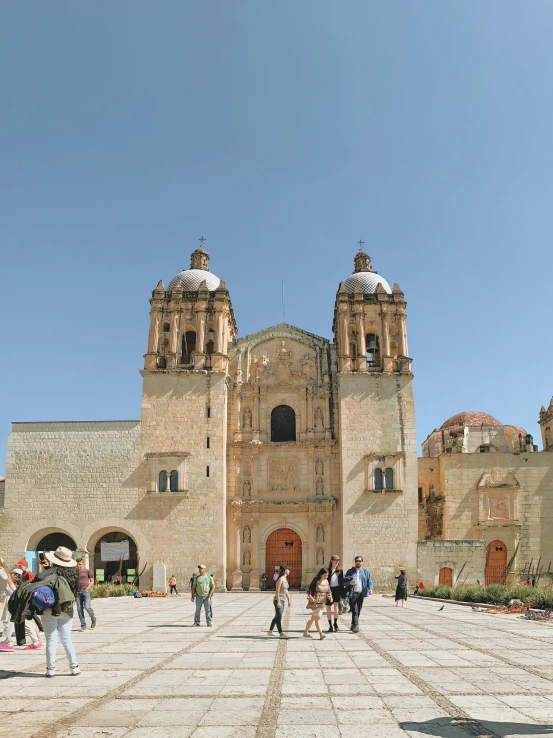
{"points": [[76, 478], [377, 419], [466, 558]]}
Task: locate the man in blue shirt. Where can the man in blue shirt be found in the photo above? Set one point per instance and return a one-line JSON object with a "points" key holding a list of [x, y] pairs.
{"points": [[358, 585]]}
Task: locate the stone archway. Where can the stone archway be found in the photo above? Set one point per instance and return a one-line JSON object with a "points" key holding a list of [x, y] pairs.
{"points": [[113, 568], [51, 541], [496, 562], [283, 546]]}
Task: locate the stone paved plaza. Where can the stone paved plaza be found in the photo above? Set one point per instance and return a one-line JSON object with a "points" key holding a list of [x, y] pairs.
{"points": [[146, 673]]}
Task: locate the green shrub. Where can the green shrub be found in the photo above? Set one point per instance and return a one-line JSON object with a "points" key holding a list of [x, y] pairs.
{"points": [[493, 594], [111, 590]]}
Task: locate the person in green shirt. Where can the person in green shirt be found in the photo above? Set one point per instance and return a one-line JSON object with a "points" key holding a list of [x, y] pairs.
{"points": [[202, 591]]}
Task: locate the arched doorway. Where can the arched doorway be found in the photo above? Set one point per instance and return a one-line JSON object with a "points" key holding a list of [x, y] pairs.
{"points": [[284, 547], [127, 568], [496, 562], [446, 576], [51, 541]]}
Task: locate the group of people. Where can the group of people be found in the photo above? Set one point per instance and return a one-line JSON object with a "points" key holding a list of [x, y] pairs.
{"points": [[42, 606]]}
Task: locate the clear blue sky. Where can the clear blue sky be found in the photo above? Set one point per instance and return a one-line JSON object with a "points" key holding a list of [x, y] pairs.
{"points": [[282, 132]]}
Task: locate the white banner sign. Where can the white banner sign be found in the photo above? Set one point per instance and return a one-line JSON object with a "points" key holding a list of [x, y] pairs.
{"points": [[114, 551]]}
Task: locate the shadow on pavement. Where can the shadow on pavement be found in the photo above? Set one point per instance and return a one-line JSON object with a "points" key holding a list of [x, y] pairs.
{"points": [[460, 728]]}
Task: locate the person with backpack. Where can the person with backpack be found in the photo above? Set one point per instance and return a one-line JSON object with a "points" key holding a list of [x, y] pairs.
{"points": [[173, 585], [202, 591], [57, 617]]}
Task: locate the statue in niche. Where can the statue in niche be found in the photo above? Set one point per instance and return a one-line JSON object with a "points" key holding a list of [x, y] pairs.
{"points": [[246, 558], [320, 534], [320, 557], [247, 419], [247, 489], [320, 487], [319, 419], [247, 537], [319, 468]]}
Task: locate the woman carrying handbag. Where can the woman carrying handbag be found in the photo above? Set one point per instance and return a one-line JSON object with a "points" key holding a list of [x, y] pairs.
{"points": [[336, 581], [318, 595]]}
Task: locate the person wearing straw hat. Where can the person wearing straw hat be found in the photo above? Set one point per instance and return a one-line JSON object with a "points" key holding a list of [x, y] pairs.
{"points": [[58, 619]]}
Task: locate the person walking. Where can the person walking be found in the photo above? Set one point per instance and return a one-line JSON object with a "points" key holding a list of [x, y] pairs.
{"points": [[318, 595], [401, 588], [263, 582], [57, 620], [282, 596], [336, 581], [10, 582], [202, 592], [86, 582], [359, 583], [173, 584]]}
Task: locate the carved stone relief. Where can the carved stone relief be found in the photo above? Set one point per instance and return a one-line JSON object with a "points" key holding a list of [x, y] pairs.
{"points": [[247, 489], [320, 487], [247, 535], [320, 534], [283, 475], [319, 468], [246, 558], [499, 508], [320, 557], [247, 419]]}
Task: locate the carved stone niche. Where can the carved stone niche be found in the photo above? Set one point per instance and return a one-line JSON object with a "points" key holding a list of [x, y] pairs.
{"points": [[497, 497]]}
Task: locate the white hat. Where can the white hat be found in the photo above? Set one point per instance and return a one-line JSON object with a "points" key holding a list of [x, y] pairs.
{"points": [[61, 556], [202, 566], [17, 570]]}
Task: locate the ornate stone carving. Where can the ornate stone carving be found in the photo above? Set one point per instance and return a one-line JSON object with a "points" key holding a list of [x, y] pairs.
{"points": [[319, 418], [247, 535], [283, 475], [320, 534], [307, 367], [320, 557], [320, 488], [247, 489], [247, 419], [261, 366], [499, 509], [319, 468], [246, 558]]}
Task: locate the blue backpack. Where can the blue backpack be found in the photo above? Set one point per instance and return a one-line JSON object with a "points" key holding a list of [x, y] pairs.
{"points": [[43, 598]]}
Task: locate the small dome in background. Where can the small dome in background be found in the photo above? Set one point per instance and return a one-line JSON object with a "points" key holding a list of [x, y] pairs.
{"points": [[191, 279], [471, 418], [363, 278]]}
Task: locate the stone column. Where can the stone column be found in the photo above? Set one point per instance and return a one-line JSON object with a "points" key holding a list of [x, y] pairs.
{"points": [[218, 333], [361, 341], [200, 335], [255, 573], [236, 576], [343, 349], [309, 418], [385, 338], [153, 336], [402, 337]]}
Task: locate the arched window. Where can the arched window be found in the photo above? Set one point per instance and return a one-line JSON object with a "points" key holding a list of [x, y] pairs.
{"points": [[372, 343], [174, 481], [283, 424], [162, 362], [378, 480], [166, 327], [188, 346], [389, 477], [163, 481]]}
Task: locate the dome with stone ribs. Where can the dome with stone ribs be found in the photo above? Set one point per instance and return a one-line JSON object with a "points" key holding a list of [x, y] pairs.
{"points": [[191, 279], [471, 418]]}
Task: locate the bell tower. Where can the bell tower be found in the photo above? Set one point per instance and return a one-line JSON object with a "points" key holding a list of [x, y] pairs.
{"points": [[184, 418], [376, 423]]}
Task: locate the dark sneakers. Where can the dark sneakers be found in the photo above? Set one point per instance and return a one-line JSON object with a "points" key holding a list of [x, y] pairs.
{"points": [[93, 624]]}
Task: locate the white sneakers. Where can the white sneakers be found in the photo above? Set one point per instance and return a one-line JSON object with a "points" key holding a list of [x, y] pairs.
{"points": [[50, 672], [75, 671]]}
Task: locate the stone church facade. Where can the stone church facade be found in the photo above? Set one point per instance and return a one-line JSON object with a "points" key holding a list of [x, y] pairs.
{"points": [[277, 446], [282, 446]]}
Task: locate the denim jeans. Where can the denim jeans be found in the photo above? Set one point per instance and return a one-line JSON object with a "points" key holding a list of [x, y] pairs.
{"points": [[279, 614], [356, 603], [206, 602], [83, 603], [54, 624]]}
